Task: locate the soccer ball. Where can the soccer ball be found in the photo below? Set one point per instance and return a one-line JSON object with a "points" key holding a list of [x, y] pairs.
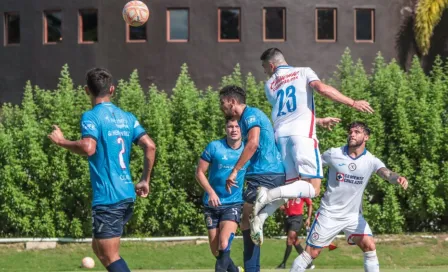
{"points": [[135, 13], [88, 262]]}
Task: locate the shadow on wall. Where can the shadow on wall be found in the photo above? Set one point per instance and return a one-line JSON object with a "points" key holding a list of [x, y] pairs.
{"points": [[406, 45]]}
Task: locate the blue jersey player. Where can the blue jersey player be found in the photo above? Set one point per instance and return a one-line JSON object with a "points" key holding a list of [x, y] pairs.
{"points": [[265, 169], [107, 136], [222, 210]]}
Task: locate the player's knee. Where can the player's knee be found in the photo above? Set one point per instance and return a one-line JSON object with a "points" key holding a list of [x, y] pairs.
{"points": [[370, 246], [314, 252], [290, 241]]}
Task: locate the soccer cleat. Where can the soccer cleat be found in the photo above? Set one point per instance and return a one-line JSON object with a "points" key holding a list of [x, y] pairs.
{"points": [[256, 230], [311, 266], [240, 269], [260, 201]]}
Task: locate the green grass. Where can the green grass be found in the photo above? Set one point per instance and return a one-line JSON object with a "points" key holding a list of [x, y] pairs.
{"points": [[428, 254]]}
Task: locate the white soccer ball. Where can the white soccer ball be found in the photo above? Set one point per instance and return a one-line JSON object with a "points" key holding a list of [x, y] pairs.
{"points": [[88, 262], [135, 13]]}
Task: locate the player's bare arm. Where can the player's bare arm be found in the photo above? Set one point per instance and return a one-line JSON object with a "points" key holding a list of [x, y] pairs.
{"points": [[335, 95], [149, 147], [327, 122], [84, 147], [392, 177], [310, 211], [253, 140], [201, 169]]}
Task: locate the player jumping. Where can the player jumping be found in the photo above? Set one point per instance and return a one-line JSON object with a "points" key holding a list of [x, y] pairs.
{"points": [[290, 92]]}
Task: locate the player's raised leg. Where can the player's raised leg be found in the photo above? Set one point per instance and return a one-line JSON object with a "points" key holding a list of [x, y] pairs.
{"points": [[303, 168]]}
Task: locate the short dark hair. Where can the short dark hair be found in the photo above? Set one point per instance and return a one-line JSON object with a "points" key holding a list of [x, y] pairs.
{"points": [[360, 125], [99, 81], [269, 53], [235, 92]]}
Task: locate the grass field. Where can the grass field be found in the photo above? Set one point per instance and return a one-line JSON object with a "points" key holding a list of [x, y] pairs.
{"points": [[402, 254]]}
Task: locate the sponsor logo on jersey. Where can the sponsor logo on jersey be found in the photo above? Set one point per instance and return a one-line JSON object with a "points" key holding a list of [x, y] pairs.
{"points": [[88, 125], [280, 80], [352, 167], [339, 177]]}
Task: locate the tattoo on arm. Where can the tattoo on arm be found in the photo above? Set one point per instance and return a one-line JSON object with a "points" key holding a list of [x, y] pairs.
{"points": [[388, 175]]}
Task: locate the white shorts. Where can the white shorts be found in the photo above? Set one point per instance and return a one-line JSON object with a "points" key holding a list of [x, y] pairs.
{"points": [[325, 229], [300, 156]]}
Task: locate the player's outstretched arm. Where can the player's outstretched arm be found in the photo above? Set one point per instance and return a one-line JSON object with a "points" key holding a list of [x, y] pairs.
{"points": [[84, 147], [149, 147], [327, 122], [251, 146], [392, 177], [201, 178], [335, 95]]}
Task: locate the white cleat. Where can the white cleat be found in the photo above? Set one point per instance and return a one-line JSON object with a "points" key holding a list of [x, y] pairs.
{"points": [[260, 201], [311, 267], [256, 230]]}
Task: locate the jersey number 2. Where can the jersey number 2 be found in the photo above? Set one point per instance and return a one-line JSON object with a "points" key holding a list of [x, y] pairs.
{"points": [[120, 155], [291, 104]]}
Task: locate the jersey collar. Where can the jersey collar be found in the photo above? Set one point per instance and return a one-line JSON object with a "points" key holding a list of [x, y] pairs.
{"points": [[346, 153], [282, 67], [227, 144]]}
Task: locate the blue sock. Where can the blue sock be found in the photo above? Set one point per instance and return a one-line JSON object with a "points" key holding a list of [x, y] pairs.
{"points": [[251, 254], [118, 266], [222, 262]]}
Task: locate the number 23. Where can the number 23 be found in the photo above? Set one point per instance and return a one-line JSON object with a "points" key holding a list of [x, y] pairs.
{"points": [[291, 104]]}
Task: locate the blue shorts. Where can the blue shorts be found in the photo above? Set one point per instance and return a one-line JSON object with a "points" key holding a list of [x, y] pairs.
{"points": [[214, 215], [108, 220], [267, 181]]}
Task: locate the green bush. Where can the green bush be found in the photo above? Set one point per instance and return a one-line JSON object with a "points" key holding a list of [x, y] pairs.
{"points": [[45, 190]]}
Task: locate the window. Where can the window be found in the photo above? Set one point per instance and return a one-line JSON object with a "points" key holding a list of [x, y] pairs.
{"points": [[274, 24], [136, 34], [52, 27], [229, 25], [88, 26], [326, 24], [364, 25], [177, 22], [12, 28]]}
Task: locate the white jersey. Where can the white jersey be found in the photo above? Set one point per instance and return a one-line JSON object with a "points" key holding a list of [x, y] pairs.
{"points": [[291, 97], [347, 180]]}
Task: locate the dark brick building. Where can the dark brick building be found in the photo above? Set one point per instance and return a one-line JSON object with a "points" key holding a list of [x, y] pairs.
{"points": [[211, 36]]}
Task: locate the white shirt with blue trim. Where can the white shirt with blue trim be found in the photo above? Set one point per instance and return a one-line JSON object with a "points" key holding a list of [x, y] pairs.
{"points": [[347, 180], [292, 101]]}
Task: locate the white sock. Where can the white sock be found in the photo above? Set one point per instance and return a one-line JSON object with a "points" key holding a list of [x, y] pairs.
{"points": [[296, 189], [301, 262], [371, 263], [270, 208]]}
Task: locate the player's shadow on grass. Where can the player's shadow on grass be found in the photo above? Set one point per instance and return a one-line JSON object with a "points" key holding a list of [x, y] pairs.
{"points": [[406, 45]]}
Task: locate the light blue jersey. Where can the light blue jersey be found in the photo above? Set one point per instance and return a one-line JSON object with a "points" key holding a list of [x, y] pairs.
{"points": [[222, 159], [267, 158], [114, 131]]}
